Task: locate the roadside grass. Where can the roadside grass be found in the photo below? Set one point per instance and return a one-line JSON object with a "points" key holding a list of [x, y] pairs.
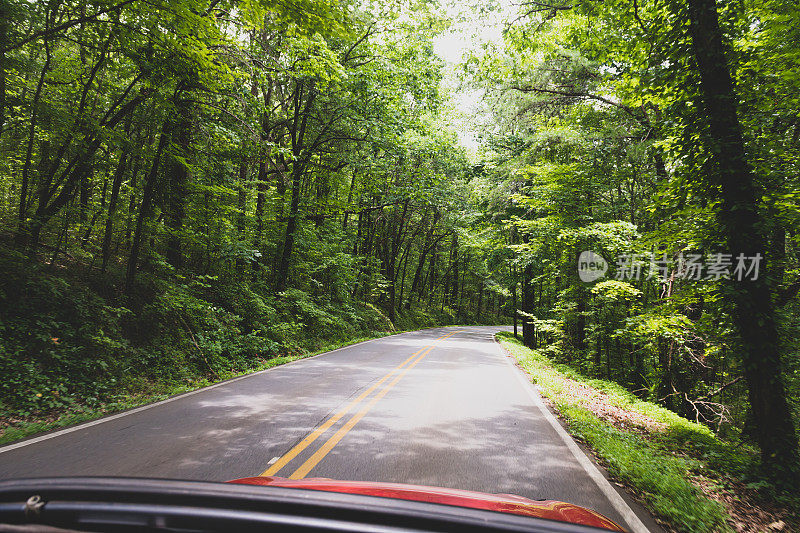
{"points": [[649, 448], [147, 392]]}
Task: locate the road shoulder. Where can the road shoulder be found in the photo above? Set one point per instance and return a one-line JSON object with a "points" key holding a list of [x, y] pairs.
{"points": [[637, 518]]}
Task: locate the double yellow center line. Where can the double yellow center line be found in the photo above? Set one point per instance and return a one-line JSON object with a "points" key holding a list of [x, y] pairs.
{"points": [[312, 461]]}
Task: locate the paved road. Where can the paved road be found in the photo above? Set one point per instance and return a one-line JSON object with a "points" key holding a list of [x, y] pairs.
{"points": [[440, 407]]}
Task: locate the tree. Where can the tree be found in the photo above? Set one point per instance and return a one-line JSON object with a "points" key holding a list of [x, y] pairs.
{"points": [[743, 226], [609, 112]]}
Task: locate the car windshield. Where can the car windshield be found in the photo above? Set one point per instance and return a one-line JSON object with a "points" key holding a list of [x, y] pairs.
{"points": [[534, 259]]}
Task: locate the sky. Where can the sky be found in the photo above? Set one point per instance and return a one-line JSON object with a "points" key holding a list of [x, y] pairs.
{"points": [[468, 33]]}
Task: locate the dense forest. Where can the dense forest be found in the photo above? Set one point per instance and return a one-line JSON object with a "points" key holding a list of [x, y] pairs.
{"points": [[190, 188], [664, 137]]}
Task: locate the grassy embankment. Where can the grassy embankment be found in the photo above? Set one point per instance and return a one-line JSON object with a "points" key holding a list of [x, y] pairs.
{"points": [[688, 478]]}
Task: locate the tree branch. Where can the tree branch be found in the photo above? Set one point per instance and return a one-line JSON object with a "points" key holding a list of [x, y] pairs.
{"points": [[65, 26]]}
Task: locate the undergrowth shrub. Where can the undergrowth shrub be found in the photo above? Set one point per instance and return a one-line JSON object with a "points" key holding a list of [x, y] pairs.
{"points": [[58, 340]]}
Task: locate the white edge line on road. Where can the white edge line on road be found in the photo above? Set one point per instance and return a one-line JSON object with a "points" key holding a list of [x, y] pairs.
{"points": [[54, 434], [633, 521]]}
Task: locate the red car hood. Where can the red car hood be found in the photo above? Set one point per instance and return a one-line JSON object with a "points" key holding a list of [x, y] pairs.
{"points": [[504, 503]]}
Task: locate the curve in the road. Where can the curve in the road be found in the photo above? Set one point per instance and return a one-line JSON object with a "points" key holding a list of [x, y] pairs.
{"points": [[441, 407]]}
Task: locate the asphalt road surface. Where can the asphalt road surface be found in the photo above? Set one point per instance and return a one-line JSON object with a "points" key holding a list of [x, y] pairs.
{"points": [[443, 407]]}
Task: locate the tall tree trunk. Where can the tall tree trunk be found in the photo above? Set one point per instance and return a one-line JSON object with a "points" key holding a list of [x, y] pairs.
{"points": [[177, 175], [23, 230], [431, 276], [349, 198], [291, 228], [56, 191], [241, 205], [261, 185], [90, 227], [112, 208], [454, 270], [580, 320], [144, 212], [404, 262], [391, 265], [514, 301], [241, 199], [5, 17], [85, 189], [743, 226], [261, 195], [464, 262], [528, 299], [298, 132], [418, 286], [132, 186]]}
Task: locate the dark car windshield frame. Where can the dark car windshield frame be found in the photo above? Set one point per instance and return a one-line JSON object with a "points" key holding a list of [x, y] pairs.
{"points": [[98, 504]]}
